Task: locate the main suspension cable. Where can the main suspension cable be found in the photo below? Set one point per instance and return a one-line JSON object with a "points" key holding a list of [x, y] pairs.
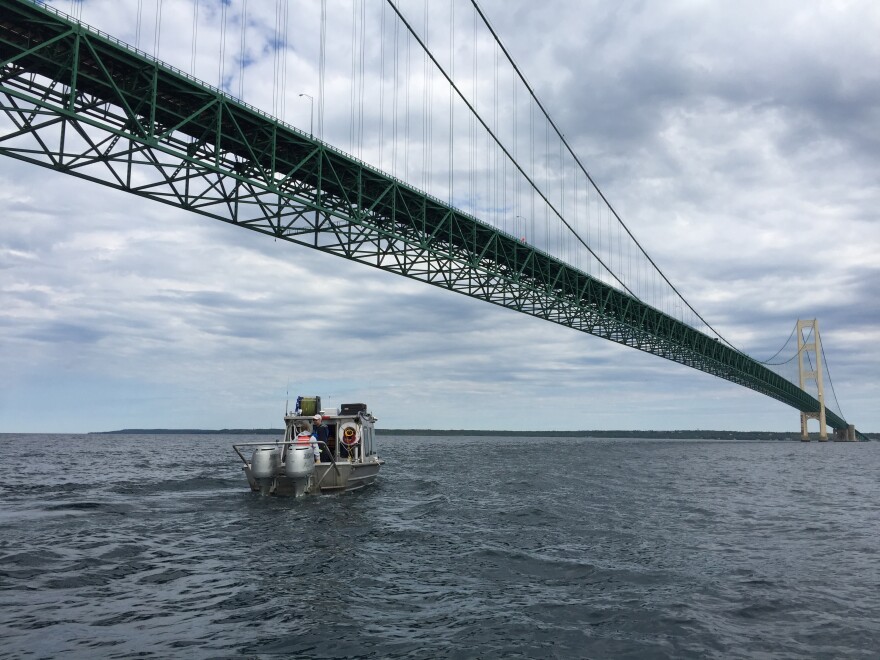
{"points": [[831, 382], [768, 360], [504, 149], [587, 174]]}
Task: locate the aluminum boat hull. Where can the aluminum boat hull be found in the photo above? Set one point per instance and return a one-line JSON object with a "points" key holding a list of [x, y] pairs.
{"points": [[326, 479]]}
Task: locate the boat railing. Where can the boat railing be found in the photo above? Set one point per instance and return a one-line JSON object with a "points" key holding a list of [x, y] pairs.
{"points": [[277, 443], [280, 443]]}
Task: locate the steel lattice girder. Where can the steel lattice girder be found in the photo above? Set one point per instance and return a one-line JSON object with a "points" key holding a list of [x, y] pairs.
{"points": [[84, 104]]}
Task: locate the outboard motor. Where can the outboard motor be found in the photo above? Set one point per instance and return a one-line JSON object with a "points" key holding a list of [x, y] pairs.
{"points": [[264, 466], [265, 462], [300, 462]]}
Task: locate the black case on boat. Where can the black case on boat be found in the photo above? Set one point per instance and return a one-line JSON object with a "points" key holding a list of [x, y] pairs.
{"points": [[352, 408]]}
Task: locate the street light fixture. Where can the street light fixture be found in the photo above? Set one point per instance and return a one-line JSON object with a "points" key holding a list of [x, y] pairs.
{"points": [[523, 235], [311, 113]]}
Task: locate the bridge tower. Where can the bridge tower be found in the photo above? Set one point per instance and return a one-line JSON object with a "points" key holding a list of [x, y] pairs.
{"points": [[804, 348]]}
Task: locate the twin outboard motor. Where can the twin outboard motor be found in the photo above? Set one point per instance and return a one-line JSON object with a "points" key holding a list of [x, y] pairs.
{"points": [[299, 466]]}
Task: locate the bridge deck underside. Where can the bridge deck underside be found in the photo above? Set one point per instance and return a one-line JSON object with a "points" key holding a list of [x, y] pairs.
{"points": [[80, 103]]}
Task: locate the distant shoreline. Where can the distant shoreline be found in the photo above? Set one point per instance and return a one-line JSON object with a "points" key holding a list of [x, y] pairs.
{"points": [[666, 435]]}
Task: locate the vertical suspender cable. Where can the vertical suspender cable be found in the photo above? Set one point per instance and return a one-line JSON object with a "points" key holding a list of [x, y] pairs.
{"points": [[567, 235], [220, 64], [351, 96], [407, 84], [137, 32], [577, 224], [322, 65], [395, 96], [382, 89], [242, 49], [451, 106], [157, 34], [426, 108], [285, 28], [195, 39], [363, 42], [515, 135], [472, 126], [276, 53], [494, 161]]}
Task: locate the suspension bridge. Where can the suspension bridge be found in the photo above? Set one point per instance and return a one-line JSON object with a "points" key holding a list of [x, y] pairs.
{"points": [[501, 210]]}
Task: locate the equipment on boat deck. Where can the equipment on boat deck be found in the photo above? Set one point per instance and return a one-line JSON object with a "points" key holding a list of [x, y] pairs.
{"points": [[308, 405]]}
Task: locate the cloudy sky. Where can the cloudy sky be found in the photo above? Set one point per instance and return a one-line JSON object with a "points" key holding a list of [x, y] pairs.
{"points": [[739, 141]]}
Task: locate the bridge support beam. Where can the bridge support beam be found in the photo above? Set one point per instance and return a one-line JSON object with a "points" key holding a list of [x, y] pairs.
{"points": [[814, 374], [846, 434]]}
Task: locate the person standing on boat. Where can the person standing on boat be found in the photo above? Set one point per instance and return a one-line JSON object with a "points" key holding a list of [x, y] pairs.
{"points": [[320, 433]]}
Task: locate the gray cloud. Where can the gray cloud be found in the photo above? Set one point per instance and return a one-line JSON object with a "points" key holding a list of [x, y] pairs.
{"points": [[742, 152]]}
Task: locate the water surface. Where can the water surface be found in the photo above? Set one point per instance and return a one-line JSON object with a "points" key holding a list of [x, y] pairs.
{"points": [[466, 547]]}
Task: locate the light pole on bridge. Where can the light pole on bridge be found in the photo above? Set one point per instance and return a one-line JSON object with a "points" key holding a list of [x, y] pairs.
{"points": [[523, 233], [311, 113]]}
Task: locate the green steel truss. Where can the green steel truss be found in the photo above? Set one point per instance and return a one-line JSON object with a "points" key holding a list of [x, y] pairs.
{"points": [[80, 102]]}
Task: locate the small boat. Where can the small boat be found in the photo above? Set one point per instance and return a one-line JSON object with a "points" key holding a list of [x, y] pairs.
{"points": [[322, 452]]}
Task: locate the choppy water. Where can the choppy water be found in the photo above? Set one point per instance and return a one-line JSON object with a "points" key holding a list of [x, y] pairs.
{"points": [[112, 546]]}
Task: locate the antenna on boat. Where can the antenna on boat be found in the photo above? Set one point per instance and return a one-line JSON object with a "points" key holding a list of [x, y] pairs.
{"points": [[287, 397]]}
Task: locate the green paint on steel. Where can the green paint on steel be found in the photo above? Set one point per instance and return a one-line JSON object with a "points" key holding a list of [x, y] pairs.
{"points": [[86, 104]]}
